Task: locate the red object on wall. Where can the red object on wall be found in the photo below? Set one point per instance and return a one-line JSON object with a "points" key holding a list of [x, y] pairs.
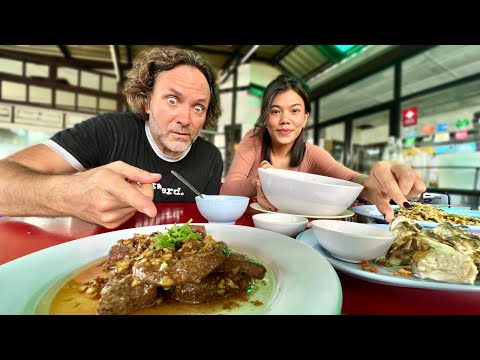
{"points": [[409, 116]]}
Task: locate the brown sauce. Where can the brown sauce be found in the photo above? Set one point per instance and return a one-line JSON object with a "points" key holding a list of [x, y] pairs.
{"points": [[69, 300]]}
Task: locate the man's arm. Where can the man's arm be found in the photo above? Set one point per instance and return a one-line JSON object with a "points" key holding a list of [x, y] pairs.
{"points": [[26, 182], [38, 182]]}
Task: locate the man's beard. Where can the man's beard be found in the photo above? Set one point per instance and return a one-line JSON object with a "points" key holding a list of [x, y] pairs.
{"points": [[164, 137]]}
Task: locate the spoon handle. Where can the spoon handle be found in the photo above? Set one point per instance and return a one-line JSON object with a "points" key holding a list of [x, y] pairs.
{"points": [[177, 175]]}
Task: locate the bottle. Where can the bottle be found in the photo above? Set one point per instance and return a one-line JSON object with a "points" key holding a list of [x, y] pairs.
{"points": [[393, 150], [390, 149], [399, 150]]}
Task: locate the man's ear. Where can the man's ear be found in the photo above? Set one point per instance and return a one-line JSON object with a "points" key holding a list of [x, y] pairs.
{"points": [[147, 104]]}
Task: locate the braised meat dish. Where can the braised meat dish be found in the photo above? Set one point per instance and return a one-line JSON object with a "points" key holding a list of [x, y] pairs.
{"points": [[183, 264]]}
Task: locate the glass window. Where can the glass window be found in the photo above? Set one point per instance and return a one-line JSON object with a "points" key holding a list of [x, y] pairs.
{"points": [[40, 94], [369, 136], [311, 118], [441, 64], [65, 99], [107, 104], [37, 70], [39, 117], [309, 135], [14, 91], [87, 103], [373, 90], [89, 80], [109, 84], [5, 113], [68, 75], [446, 106], [10, 66], [332, 139]]}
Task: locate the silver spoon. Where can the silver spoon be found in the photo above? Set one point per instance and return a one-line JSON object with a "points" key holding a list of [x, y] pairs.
{"points": [[177, 175]]}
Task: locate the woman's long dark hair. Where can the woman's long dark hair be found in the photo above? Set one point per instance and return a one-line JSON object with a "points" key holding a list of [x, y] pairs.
{"points": [[280, 84]]}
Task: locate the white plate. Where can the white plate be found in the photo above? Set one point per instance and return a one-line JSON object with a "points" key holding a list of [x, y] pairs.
{"points": [[385, 274], [343, 215], [372, 212], [305, 282]]}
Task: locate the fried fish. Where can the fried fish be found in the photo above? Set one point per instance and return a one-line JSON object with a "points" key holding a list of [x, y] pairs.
{"points": [[430, 255]]}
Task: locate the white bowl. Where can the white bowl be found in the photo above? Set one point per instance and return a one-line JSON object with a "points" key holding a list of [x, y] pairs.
{"points": [[222, 209], [296, 192], [285, 224], [352, 242]]}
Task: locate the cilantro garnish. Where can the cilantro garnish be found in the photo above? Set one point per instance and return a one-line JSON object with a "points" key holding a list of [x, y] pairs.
{"points": [[175, 235]]}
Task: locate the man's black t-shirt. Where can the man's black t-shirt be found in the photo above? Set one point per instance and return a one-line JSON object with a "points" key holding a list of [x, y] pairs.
{"points": [[125, 136]]}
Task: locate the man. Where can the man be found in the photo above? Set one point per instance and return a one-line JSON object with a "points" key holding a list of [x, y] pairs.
{"points": [[108, 167]]}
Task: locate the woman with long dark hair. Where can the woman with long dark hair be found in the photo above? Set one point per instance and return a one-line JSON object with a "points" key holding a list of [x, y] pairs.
{"points": [[278, 141]]}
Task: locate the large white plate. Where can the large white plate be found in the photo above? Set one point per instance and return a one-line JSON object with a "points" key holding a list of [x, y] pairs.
{"points": [[385, 274], [343, 215], [372, 212], [305, 282]]}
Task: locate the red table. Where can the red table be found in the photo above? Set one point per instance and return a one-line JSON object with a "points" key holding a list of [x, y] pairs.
{"points": [[22, 236]]}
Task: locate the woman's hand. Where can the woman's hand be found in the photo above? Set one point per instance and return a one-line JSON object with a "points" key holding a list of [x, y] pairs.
{"points": [[392, 180], [261, 199]]}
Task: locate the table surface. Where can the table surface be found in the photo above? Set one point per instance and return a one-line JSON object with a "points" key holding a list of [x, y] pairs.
{"points": [[21, 236]]}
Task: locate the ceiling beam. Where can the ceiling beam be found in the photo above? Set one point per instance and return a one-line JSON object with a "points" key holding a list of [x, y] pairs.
{"points": [[58, 85], [228, 64], [114, 50], [65, 51], [249, 54], [57, 60], [210, 51], [129, 56], [234, 55], [282, 53], [275, 61], [318, 70], [233, 66], [368, 68]]}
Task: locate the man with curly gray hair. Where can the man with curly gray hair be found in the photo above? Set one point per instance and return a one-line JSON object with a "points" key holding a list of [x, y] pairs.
{"points": [[120, 162]]}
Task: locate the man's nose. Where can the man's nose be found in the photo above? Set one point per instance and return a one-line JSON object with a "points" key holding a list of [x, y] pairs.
{"points": [[183, 116]]}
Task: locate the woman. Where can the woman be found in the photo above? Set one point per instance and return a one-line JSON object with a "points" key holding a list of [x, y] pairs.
{"points": [[278, 141]]}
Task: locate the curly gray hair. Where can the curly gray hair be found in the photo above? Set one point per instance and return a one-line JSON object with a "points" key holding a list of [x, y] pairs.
{"points": [[149, 63]]}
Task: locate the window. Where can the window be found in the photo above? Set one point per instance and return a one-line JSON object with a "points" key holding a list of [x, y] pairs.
{"points": [[40, 95], [69, 75], [89, 80], [36, 70], [14, 91]]}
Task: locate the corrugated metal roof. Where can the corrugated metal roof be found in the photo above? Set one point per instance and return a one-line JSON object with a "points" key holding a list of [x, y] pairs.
{"points": [[300, 60]]}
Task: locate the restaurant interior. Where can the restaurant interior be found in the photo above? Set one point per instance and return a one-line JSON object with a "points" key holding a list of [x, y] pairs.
{"points": [[361, 95], [419, 104]]}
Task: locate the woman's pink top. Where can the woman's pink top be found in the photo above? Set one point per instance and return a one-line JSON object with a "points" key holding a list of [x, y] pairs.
{"points": [[247, 160]]}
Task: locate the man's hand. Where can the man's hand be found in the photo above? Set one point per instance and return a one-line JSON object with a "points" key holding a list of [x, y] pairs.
{"points": [[109, 195], [392, 180]]}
